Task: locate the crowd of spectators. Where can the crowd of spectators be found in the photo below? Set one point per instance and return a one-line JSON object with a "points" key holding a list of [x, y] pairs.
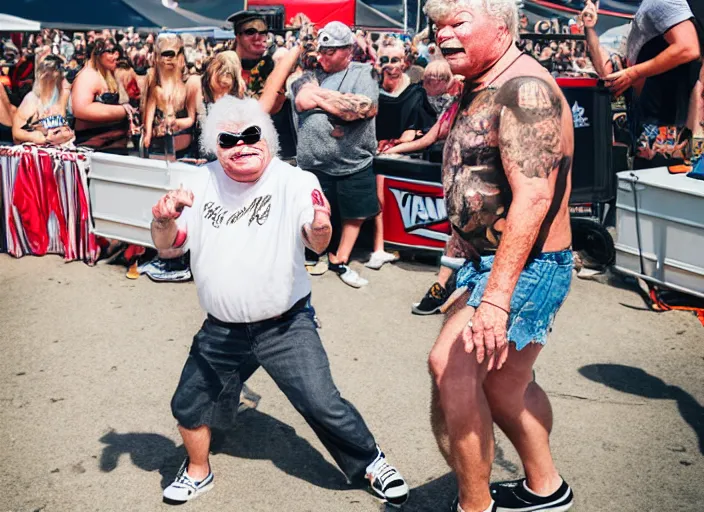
{"points": [[126, 91], [135, 56]]}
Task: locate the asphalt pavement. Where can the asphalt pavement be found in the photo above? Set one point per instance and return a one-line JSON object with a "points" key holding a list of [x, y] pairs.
{"points": [[89, 361]]}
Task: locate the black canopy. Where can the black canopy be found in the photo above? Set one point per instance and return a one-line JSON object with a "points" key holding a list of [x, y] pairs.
{"points": [[218, 9], [95, 14]]}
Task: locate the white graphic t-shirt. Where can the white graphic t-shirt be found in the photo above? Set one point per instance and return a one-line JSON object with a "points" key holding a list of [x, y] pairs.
{"points": [[246, 242]]}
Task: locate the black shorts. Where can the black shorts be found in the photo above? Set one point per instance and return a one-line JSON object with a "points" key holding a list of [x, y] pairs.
{"points": [[352, 196]]}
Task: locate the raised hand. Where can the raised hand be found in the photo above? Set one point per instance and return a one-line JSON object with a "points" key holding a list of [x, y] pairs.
{"points": [[321, 211], [589, 15], [172, 204], [317, 234]]}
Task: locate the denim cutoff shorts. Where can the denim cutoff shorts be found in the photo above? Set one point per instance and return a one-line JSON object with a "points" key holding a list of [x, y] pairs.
{"points": [[541, 289]]}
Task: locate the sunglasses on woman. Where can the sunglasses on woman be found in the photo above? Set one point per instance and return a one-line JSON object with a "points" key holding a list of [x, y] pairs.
{"points": [[109, 50], [252, 31], [385, 60], [251, 135], [55, 62], [169, 54]]}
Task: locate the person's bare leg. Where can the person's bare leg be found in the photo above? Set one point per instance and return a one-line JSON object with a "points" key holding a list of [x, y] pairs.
{"points": [[169, 254], [458, 387], [444, 275], [350, 232], [437, 417], [379, 219], [522, 410], [197, 443]]}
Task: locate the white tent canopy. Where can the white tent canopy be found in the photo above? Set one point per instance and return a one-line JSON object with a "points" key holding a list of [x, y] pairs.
{"points": [[10, 23]]}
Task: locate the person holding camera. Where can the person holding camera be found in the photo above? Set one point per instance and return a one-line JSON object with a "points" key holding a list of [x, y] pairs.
{"points": [[41, 117]]}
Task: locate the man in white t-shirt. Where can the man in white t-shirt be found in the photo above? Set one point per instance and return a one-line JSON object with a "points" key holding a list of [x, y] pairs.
{"points": [[247, 222]]}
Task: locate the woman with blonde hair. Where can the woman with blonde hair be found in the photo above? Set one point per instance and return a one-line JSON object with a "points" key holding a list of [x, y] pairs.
{"points": [[41, 117], [102, 123], [170, 110], [223, 76], [437, 79]]}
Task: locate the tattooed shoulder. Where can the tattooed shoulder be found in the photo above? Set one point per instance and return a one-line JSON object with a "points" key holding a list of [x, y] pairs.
{"points": [[307, 77], [530, 130]]}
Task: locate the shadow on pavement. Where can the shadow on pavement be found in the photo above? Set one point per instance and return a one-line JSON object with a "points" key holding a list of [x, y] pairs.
{"points": [[432, 496], [255, 435], [635, 381]]}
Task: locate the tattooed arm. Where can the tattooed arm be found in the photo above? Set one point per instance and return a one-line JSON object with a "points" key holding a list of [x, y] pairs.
{"points": [[303, 91], [348, 107], [531, 150], [530, 142]]}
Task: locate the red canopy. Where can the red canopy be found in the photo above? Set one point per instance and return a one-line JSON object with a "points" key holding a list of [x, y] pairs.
{"points": [[320, 12]]}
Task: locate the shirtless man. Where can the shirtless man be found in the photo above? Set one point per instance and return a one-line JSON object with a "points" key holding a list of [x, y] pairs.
{"points": [[506, 175]]}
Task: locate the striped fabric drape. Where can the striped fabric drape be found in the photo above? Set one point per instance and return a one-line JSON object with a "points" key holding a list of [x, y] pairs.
{"points": [[44, 203]]}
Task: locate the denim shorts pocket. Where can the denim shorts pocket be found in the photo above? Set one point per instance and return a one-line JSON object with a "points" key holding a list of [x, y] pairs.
{"points": [[529, 282]]}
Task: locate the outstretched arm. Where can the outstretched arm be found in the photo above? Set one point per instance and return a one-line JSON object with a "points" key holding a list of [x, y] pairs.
{"points": [[419, 144], [683, 47], [274, 86], [166, 234], [599, 56]]}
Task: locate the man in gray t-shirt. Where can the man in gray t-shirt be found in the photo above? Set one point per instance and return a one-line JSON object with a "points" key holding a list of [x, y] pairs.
{"points": [[662, 59], [336, 107]]}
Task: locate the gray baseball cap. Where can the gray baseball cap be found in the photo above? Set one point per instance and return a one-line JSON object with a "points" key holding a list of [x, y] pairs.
{"points": [[335, 35]]}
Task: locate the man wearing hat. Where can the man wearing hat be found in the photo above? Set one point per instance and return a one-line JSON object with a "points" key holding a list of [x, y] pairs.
{"points": [[337, 105], [251, 33]]}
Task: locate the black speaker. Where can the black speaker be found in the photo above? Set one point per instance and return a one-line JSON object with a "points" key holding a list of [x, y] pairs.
{"points": [[274, 16], [592, 169]]}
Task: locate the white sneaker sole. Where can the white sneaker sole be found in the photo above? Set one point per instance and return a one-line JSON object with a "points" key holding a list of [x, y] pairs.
{"points": [[170, 501], [384, 499], [561, 508]]}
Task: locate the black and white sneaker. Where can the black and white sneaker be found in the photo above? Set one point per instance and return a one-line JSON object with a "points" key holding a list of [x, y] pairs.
{"points": [[386, 482], [184, 488], [515, 495], [349, 277]]}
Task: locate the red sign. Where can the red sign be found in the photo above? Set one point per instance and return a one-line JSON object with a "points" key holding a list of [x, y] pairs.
{"points": [[414, 214]]}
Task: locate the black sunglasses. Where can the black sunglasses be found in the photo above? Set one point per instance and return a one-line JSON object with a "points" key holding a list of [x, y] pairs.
{"points": [[113, 49], [169, 53], [251, 31], [251, 135], [385, 60]]}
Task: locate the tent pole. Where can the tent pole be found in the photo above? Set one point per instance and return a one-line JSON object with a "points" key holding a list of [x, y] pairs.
{"points": [[405, 16]]}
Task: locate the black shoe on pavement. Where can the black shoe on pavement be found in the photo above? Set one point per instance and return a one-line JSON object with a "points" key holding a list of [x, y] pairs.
{"points": [[515, 495], [433, 300]]}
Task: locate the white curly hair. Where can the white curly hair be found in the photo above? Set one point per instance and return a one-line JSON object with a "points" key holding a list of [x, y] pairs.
{"points": [[245, 112], [505, 11]]}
